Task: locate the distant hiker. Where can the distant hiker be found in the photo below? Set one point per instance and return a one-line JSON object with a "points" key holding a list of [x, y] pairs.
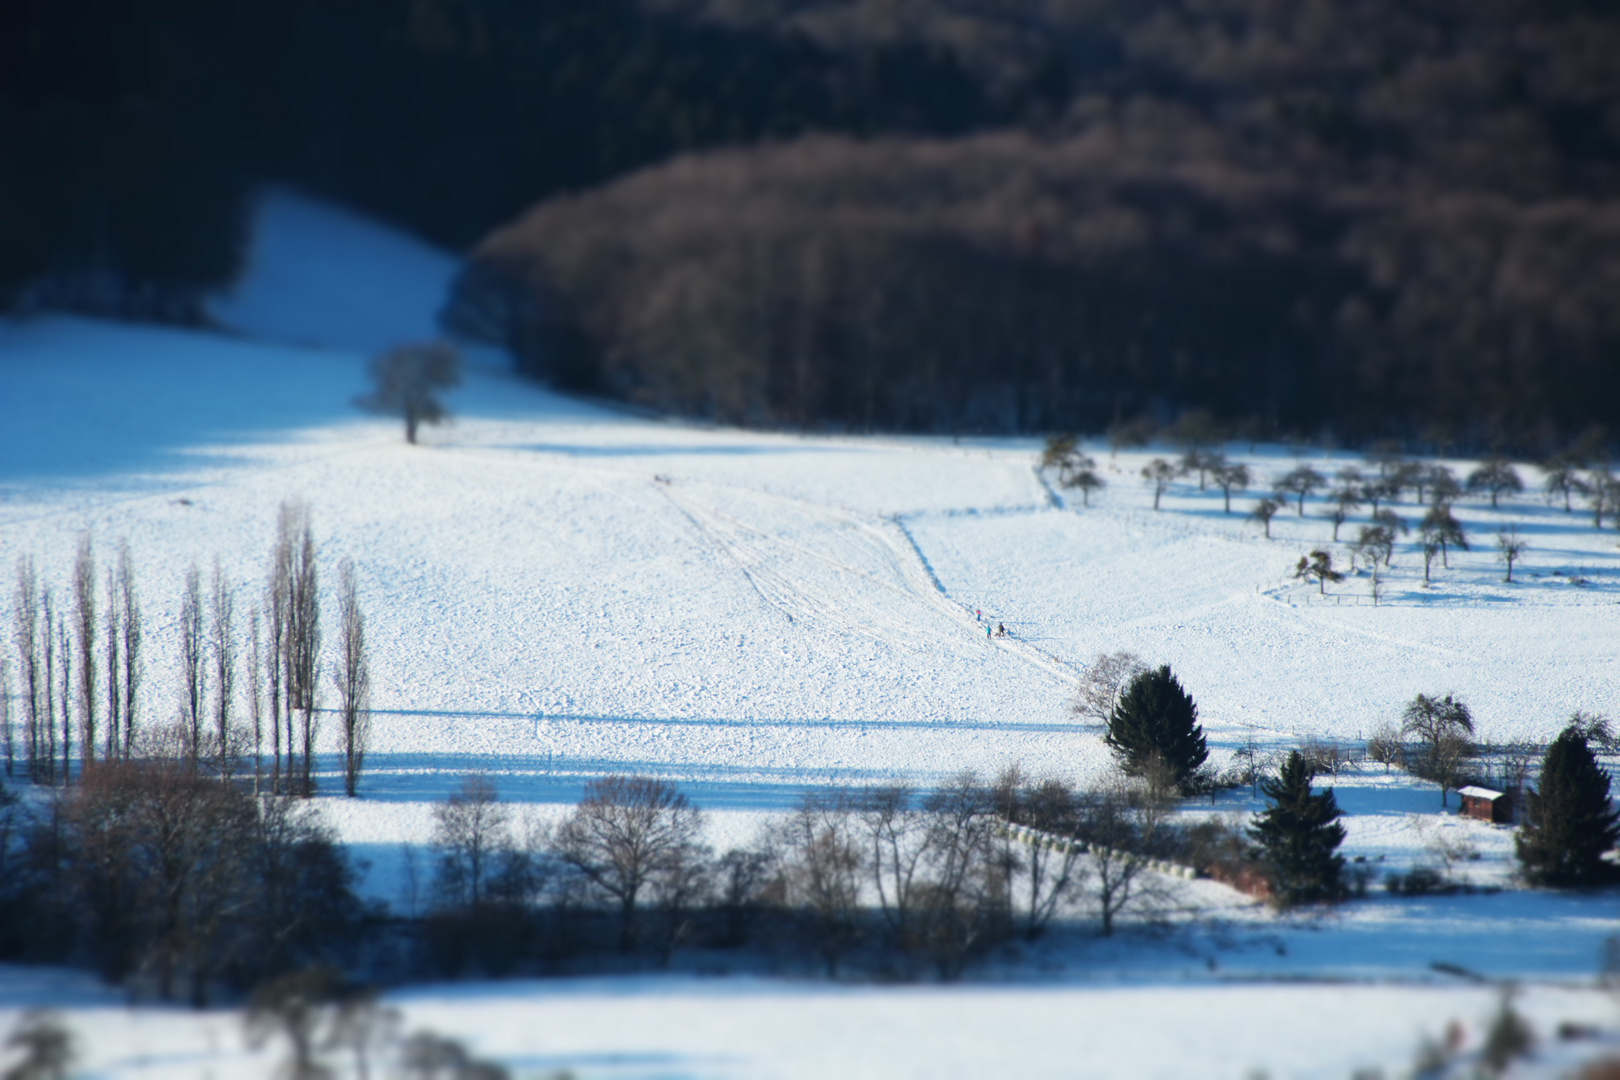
{"points": [[987, 632], [1001, 631], [978, 616]]}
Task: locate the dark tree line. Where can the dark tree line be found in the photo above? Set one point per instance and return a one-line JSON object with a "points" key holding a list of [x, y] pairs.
{"points": [[134, 135], [1376, 219], [884, 880], [166, 881], [1013, 282], [1305, 217]]}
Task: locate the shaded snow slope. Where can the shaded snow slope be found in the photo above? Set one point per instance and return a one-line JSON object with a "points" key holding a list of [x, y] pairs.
{"points": [[319, 275]]}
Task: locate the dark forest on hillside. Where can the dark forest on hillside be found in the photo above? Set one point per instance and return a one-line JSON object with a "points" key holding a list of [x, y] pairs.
{"points": [[1381, 219]]}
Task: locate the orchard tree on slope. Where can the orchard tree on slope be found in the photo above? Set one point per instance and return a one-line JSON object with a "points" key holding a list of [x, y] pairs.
{"points": [[1319, 565], [1155, 725], [1300, 481], [1570, 824], [1497, 477], [1442, 530], [1159, 473], [1561, 476], [1228, 476], [1263, 512], [409, 380], [1299, 836], [1075, 469]]}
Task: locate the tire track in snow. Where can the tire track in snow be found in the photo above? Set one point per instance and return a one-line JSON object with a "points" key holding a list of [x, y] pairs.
{"points": [[903, 555], [751, 568], [765, 558]]}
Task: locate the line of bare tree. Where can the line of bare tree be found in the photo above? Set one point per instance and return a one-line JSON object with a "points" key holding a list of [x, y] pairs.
{"points": [[51, 706], [886, 880], [79, 679]]}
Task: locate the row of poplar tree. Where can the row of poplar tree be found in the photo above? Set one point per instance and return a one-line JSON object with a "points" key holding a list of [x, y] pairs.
{"points": [[79, 671]]}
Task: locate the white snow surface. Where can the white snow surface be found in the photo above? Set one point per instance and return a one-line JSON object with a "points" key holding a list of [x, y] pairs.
{"points": [[557, 590], [745, 1029]]}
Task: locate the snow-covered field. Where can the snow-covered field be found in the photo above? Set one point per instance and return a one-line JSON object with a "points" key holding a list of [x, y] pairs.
{"points": [[559, 590]]}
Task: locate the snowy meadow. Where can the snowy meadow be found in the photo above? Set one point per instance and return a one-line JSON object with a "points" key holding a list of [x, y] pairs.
{"points": [[558, 590]]}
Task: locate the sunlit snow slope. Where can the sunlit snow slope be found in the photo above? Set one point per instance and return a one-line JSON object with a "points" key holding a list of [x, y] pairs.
{"points": [[557, 591]]}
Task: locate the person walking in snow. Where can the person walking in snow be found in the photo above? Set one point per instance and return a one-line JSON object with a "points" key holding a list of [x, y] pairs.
{"points": [[987, 633], [1001, 631]]}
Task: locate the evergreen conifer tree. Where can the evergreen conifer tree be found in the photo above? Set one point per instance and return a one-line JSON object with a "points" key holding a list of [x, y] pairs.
{"points": [[1570, 823], [1156, 720], [1299, 836]]}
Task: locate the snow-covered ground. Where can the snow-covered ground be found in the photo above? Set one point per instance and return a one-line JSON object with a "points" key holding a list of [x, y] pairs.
{"points": [[742, 1029], [558, 590]]}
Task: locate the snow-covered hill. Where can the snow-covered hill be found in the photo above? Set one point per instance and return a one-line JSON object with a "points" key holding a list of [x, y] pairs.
{"points": [[558, 591]]}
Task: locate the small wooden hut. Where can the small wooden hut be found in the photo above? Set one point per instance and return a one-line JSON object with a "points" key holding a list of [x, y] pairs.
{"points": [[1486, 805]]}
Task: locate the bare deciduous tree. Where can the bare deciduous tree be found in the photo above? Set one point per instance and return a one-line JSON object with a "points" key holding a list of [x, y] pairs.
{"points": [[1561, 476], [305, 633], [1120, 822], [129, 616], [294, 642], [114, 669], [84, 627], [301, 1006], [1496, 476], [25, 634], [963, 899], [1158, 473], [1440, 527], [1229, 477], [1375, 543], [64, 648], [46, 1048], [1041, 878], [896, 843], [47, 726], [1600, 489], [1443, 725], [223, 646], [352, 676], [1319, 565], [409, 380], [821, 873], [470, 832], [1510, 547], [1103, 682], [1203, 462], [632, 838], [5, 717], [1300, 481], [193, 675], [1263, 512], [255, 669], [1075, 468], [277, 602]]}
